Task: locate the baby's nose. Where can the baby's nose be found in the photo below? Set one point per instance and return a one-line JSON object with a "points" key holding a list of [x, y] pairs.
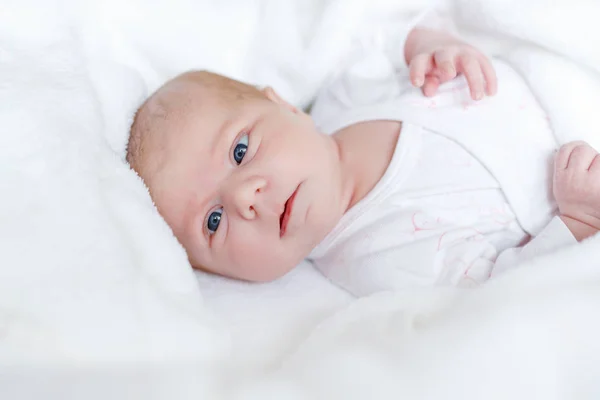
{"points": [[246, 196]]}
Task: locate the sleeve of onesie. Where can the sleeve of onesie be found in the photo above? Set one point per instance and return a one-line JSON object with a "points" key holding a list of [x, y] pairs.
{"points": [[472, 260], [555, 235]]}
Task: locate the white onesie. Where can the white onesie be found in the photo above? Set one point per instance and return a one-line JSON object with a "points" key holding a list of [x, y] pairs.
{"points": [[468, 183]]}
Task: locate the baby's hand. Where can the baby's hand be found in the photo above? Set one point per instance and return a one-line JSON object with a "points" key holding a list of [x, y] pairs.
{"points": [[577, 187], [436, 57]]}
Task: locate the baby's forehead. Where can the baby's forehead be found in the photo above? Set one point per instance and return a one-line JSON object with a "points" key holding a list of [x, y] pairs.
{"points": [[189, 108], [181, 120]]}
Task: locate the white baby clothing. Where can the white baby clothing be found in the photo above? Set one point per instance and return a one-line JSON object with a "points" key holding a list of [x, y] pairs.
{"points": [[468, 183], [436, 217]]}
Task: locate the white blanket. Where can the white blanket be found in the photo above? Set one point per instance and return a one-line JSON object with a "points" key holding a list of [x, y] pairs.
{"points": [[95, 292]]}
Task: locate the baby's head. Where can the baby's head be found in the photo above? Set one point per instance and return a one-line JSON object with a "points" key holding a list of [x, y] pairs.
{"points": [[244, 179]]}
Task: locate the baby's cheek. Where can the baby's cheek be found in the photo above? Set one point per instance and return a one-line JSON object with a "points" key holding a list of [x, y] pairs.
{"points": [[249, 254], [261, 259]]}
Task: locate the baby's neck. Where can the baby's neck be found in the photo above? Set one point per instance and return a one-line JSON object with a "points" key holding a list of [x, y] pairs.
{"points": [[366, 150]]}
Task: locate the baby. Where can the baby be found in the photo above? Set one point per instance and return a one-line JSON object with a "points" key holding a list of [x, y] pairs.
{"points": [[389, 186]]}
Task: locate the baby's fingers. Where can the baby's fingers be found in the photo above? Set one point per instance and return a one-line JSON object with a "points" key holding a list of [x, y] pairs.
{"points": [[444, 61], [595, 166], [581, 157], [471, 69], [432, 83], [420, 66], [490, 75], [563, 156]]}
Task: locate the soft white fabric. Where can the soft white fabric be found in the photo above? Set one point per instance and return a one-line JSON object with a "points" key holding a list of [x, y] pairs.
{"points": [[266, 322], [96, 298], [90, 274], [530, 334], [437, 217]]}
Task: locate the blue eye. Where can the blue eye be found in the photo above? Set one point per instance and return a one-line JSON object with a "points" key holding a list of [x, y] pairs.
{"points": [[214, 219], [240, 149]]}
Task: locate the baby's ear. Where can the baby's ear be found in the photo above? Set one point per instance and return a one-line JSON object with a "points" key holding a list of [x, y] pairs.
{"points": [[274, 97]]}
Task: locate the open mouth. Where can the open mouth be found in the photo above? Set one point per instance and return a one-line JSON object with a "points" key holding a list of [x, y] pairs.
{"points": [[287, 212]]}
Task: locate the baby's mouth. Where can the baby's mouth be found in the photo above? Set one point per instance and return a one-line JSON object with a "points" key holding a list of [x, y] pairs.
{"points": [[287, 212]]}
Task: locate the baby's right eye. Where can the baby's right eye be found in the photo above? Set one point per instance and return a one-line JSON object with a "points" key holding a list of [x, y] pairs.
{"points": [[240, 149], [213, 220]]}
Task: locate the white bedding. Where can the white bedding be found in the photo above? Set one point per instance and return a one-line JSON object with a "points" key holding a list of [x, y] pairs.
{"points": [[97, 299]]}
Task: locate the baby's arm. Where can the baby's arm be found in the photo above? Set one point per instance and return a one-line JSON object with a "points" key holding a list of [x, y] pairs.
{"points": [[435, 57], [577, 188]]}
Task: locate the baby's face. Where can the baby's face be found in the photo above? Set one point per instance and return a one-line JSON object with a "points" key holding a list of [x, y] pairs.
{"points": [[249, 187]]}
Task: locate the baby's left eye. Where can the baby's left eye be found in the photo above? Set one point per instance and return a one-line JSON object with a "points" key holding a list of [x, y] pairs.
{"points": [[213, 221], [239, 151]]}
